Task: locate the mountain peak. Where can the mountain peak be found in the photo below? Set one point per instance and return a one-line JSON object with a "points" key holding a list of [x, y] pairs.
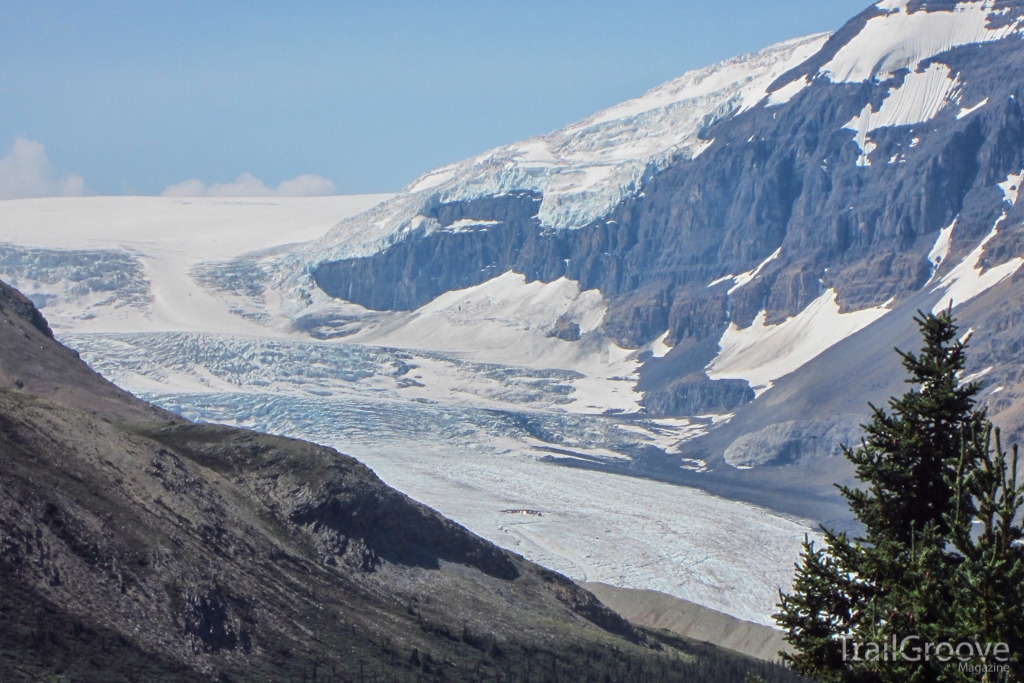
{"points": [[583, 170]]}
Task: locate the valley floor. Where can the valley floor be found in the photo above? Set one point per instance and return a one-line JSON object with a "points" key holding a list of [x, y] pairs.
{"points": [[458, 429]]}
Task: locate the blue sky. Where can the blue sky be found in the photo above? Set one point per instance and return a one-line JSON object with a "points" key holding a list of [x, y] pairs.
{"points": [[131, 97]]}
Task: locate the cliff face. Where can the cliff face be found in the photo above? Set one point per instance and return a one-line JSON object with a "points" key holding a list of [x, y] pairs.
{"points": [[782, 177], [877, 168]]}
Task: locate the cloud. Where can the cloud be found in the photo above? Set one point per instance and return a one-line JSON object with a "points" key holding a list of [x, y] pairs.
{"points": [[248, 185], [26, 172], [307, 185]]}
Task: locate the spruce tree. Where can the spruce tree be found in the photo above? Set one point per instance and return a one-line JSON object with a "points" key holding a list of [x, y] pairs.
{"points": [[909, 456], [939, 559], [986, 531]]}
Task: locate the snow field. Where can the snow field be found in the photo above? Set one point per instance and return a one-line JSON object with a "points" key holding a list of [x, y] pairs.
{"points": [[941, 248], [787, 92], [762, 353], [900, 39], [967, 280], [918, 99], [201, 227], [1011, 187]]}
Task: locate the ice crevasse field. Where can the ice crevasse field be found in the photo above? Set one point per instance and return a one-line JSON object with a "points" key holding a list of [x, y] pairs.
{"points": [[467, 403], [436, 401]]}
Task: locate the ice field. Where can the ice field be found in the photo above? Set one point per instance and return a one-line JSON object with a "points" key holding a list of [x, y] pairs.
{"points": [[121, 280]]}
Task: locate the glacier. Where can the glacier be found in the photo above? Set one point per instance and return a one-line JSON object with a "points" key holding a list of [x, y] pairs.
{"points": [[467, 404], [505, 393], [584, 169]]}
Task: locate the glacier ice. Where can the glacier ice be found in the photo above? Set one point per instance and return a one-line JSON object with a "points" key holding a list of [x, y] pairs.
{"points": [[585, 169]]}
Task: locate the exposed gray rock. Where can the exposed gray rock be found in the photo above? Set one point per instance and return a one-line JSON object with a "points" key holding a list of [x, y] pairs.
{"points": [[698, 396], [565, 329], [784, 443]]}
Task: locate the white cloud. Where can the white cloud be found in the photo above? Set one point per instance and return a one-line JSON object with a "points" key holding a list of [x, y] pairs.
{"points": [[307, 185], [248, 185], [26, 172]]}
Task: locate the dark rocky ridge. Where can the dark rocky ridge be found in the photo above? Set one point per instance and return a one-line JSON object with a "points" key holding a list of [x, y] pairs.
{"points": [[32, 362], [137, 546]]}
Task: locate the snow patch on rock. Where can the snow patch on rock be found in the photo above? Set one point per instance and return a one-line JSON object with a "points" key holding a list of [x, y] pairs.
{"points": [[968, 279], [1011, 187], [744, 278], [920, 98], [659, 349], [762, 353], [468, 225], [787, 92], [901, 39], [967, 111], [941, 247], [975, 376]]}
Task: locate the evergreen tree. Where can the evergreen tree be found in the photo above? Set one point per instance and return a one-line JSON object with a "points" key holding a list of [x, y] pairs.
{"points": [[909, 457], [986, 532], [940, 558]]}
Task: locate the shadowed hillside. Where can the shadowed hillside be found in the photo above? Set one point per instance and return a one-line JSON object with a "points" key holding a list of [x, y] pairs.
{"points": [[136, 546]]}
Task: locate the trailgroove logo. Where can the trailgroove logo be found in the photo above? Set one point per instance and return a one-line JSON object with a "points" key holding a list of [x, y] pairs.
{"points": [[993, 657]]}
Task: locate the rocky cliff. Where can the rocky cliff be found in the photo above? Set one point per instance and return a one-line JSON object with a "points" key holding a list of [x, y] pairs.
{"points": [[861, 170]]}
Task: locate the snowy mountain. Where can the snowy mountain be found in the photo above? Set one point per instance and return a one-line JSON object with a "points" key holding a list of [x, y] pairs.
{"points": [[478, 434], [579, 173], [748, 216], [701, 286]]}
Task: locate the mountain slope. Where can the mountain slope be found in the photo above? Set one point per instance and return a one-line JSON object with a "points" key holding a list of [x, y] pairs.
{"points": [[875, 166], [35, 363], [135, 545], [701, 286], [657, 610]]}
